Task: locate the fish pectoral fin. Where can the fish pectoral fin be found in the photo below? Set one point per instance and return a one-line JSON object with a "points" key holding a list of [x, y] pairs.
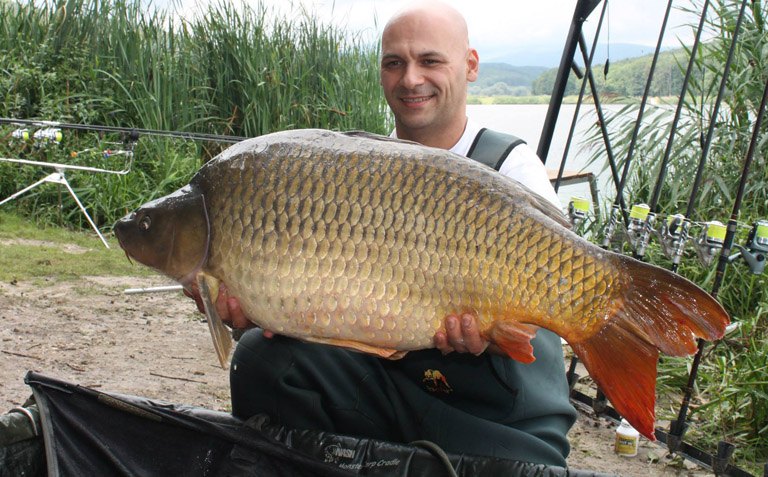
{"points": [[358, 346], [515, 339], [222, 337]]}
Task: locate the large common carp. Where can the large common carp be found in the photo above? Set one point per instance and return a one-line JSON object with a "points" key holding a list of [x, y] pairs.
{"points": [[369, 243]]}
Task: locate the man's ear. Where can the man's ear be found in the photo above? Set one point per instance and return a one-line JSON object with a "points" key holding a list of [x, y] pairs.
{"points": [[473, 65]]}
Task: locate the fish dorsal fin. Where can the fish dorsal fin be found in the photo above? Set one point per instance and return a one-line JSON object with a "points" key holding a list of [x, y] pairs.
{"points": [[378, 137], [545, 207]]}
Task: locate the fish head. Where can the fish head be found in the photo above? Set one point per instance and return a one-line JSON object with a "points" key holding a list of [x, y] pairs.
{"points": [[170, 234]]}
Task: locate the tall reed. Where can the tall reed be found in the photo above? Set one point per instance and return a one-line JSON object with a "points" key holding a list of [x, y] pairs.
{"points": [[232, 69]]}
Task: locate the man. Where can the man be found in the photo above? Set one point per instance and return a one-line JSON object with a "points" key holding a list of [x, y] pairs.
{"points": [[473, 401]]}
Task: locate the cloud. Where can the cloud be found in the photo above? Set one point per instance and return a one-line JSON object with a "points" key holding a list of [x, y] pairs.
{"points": [[495, 25]]}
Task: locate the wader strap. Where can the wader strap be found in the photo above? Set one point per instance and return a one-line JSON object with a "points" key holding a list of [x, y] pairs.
{"points": [[492, 147]]}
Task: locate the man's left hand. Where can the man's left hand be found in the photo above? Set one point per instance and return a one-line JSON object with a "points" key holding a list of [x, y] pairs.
{"points": [[462, 335]]}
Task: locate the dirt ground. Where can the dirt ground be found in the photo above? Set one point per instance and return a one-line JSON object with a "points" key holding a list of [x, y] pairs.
{"points": [[156, 345]]}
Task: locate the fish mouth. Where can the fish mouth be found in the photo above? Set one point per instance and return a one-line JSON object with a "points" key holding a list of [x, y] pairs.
{"points": [[117, 229]]}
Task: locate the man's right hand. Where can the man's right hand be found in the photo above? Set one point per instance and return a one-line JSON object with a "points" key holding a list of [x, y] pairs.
{"points": [[228, 308]]}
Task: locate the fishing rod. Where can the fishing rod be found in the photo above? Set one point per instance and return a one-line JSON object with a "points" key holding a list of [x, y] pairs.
{"points": [[710, 130], [49, 132], [600, 119], [588, 67], [132, 133], [674, 233], [600, 401], [616, 210], [580, 14], [678, 426]]}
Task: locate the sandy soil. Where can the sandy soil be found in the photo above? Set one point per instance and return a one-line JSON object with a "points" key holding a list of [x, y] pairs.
{"points": [[90, 332]]}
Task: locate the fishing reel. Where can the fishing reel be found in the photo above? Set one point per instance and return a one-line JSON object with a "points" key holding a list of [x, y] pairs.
{"points": [[672, 234], [578, 208], [21, 135], [48, 136], [641, 221], [710, 242], [756, 248], [610, 227]]}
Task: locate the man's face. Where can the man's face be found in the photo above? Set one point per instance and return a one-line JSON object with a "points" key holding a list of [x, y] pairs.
{"points": [[425, 68]]}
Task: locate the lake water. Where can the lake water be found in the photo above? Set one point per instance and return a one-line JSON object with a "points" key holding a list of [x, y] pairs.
{"points": [[527, 120]]}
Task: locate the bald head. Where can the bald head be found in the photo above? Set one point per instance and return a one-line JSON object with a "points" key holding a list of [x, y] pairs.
{"points": [[426, 63], [431, 15]]}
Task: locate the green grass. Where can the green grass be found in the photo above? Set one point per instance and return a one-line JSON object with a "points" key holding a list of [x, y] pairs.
{"points": [[29, 251]]}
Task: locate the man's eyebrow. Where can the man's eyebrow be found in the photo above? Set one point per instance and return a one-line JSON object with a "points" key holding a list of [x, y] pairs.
{"points": [[425, 54], [432, 53]]}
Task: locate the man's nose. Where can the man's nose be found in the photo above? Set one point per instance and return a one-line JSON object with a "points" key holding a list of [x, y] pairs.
{"points": [[412, 77]]}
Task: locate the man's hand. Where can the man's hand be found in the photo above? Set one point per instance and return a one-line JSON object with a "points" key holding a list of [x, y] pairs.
{"points": [[462, 335], [228, 308]]}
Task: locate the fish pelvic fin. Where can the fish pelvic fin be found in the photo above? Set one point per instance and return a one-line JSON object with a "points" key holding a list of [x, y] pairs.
{"points": [[222, 338], [514, 338], [387, 353], [658, 310]]}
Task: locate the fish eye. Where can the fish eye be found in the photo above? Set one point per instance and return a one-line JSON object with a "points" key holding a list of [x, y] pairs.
{"points": [[144, 223]]}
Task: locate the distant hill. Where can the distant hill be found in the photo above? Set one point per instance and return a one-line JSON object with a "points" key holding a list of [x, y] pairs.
{"points": [[504, 79], [550, 57], [626, 77]]}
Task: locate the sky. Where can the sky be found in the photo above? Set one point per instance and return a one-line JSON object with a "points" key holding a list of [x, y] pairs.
{"points": [[500, 28]]}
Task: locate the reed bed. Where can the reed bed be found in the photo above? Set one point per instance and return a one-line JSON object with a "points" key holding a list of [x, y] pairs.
{"points": [[229, 70]]}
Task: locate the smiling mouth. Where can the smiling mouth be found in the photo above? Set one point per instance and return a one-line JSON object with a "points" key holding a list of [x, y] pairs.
{"points": [[416, 100]]}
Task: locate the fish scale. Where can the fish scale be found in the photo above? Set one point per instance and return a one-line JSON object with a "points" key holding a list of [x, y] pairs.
{"points": [[334, 254], [369, 243]]}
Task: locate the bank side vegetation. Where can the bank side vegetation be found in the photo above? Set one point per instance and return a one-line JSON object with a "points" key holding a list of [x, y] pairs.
{"points": [[240, 71]]}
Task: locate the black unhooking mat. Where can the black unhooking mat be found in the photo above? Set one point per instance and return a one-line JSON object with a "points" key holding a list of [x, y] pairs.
{"points": [[87, 432]]}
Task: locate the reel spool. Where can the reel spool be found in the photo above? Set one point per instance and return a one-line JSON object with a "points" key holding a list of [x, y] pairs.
{"points": [[20, 135], [578, 208], [710, 241], [641, 221]]}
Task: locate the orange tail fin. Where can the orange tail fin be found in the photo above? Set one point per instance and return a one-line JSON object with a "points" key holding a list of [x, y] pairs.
{"points": [[660, 311]]}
